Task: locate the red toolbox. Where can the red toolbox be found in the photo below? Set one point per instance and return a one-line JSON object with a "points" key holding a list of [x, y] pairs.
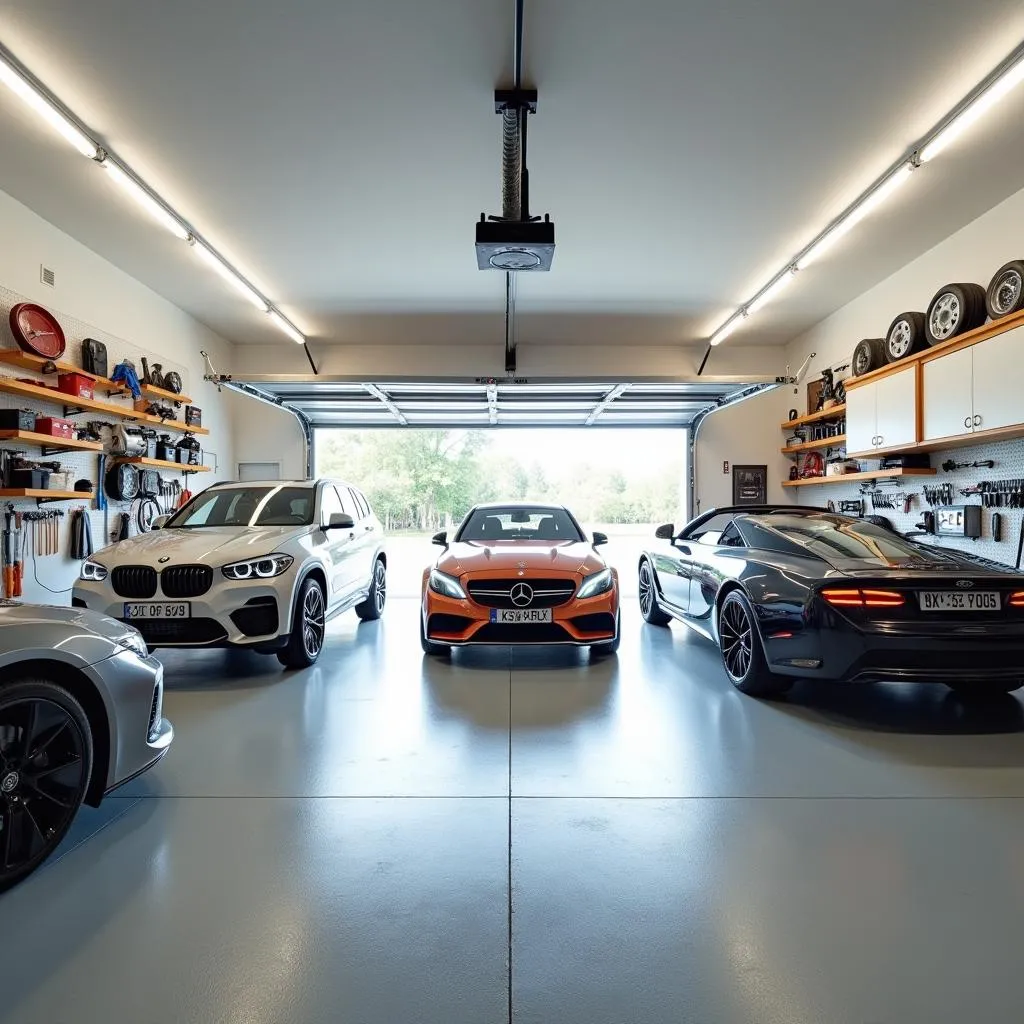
{"points": [[75, 384], [55, 427]]}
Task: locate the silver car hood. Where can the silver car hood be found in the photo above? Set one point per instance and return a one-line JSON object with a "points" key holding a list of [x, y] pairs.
{"points": [[207, 545], [76, 631]]}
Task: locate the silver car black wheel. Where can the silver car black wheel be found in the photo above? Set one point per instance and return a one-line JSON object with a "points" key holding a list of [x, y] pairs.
{"points": [[380, 583], [313, 622]]}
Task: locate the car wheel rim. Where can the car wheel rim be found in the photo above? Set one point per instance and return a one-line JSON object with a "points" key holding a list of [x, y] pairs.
{"points": [[380, 583], [313, 621], [1007, 292], [860, 362], [736, 636], [899, 339], [42, 779], [945, 316], [646, 591]]}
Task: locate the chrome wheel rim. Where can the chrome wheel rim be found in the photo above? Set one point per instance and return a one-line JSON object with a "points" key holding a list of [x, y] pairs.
{"points": [[944, 317], [42, 780], [313, 622], [900, 339], [1006, 292], [860, 362], [736, 637], [646, 590], [380, 585]]}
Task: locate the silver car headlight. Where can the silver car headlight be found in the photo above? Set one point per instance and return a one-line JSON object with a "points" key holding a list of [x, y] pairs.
{"points": [[133, 642], [258, 568], [442, 583], [93, 571], [598, 583]]}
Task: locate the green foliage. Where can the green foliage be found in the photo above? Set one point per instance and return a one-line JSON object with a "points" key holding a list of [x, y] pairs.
{"points": [[429, 479]]}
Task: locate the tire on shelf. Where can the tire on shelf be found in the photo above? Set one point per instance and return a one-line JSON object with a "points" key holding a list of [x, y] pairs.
{"points": [[955, 308], [905, 336], [867, 356], [1005, 294]]}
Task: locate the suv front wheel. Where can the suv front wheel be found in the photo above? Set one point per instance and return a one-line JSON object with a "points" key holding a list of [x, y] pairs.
{"points": [[309, 624]]}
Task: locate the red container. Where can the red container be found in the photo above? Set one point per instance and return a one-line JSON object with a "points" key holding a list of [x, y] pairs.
{"points": [[55, 427], [75, 384]]}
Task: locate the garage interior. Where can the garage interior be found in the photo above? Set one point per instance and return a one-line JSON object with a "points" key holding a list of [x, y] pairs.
{"points": [[737, 204]]}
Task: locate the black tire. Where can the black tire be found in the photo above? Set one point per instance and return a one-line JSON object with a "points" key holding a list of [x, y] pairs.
{"points": [[649, 607], [309, 627], [45, 763], [956, 308], [609, 646], [980, 689], [905, 336], [742, 652], [429, 647], [1005, 293], [373, 607], [867, 356]]}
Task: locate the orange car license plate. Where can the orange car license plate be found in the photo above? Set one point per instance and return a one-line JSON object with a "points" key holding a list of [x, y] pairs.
{"points": [[519, 616]]}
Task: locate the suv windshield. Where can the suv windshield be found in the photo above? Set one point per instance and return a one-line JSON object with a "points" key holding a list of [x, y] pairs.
{"points": [[519, 523], [246, 506]]}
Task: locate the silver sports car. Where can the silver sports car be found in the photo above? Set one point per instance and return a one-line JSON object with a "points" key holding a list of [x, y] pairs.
{"points": [[81, 713]]}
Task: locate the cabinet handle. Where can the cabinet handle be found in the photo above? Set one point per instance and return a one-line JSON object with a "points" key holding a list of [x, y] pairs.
{"points": [[977, 421], [967, 422]]}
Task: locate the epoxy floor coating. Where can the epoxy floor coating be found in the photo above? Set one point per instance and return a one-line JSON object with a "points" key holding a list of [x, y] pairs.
{"points": [[387, 839]]}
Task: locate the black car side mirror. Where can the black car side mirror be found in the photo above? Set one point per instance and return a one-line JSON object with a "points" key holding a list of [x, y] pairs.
{"points": [[340, 521], [600, 538], [440, 539], [666, 532]]}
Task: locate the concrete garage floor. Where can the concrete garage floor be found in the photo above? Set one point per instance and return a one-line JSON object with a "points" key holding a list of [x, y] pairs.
{"points": [[336, 846]]}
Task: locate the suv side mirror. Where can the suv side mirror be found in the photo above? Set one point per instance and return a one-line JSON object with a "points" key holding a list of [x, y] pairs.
{"points": [[600, 538], [666, 532], [440, 539], [340, 521], [159, 522]]}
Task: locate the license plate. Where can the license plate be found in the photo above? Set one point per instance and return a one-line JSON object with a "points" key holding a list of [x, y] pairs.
{"points": [[158, 610], [519, 616], [960, 601]]}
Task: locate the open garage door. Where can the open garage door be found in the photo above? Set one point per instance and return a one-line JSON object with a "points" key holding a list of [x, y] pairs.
{"points": [[326, 402]]}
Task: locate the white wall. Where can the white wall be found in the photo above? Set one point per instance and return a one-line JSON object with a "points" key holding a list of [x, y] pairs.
{"points": [[265, 434], [95, 294]]}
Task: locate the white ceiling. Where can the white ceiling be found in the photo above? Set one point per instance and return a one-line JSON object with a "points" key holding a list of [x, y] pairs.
{"points": [[339, 153]]}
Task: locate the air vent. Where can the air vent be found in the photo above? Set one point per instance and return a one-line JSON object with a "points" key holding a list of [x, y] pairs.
{"points": [[47, 275]]}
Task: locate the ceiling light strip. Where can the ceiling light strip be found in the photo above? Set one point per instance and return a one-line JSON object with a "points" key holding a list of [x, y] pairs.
{"points": [[998, 84], [37, 97]]}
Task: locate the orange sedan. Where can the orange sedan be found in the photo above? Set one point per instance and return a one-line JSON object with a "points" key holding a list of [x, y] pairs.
{"points": [[520, 574]]}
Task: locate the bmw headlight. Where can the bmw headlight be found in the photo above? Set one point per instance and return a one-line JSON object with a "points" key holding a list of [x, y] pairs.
{"points": [[597, 583], [133, 642], [442, 583], [258, 568], [93, 571]]}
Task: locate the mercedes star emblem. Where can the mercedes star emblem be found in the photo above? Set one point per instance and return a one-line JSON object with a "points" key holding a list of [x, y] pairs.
{"points": [[521, 595]]}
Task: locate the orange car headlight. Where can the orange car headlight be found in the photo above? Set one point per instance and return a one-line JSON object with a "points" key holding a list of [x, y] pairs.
{"points": [[442, 583], [597, 583]]}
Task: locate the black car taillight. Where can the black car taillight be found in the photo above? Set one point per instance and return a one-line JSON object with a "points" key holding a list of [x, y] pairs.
{"points": [[863, 598], [1016, 599]]}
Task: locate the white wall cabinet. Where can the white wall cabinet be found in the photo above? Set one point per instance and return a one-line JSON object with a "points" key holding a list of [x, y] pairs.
{"points": [[975, 389], [882, 414]]}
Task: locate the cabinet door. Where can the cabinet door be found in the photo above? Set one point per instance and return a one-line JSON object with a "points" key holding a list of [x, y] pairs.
{"points": [[861, 419], [948, 401], [999, 381], [896, 408]]}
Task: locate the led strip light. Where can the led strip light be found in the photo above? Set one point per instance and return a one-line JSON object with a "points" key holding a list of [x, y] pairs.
{"points": [[71, 129]]}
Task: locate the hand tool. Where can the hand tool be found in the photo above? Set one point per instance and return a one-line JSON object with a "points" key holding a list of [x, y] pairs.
{"points": [[949, 465], [997, 526], [19, 562]]}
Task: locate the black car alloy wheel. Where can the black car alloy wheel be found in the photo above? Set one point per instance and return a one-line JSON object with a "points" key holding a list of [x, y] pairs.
{"points": [[649, 607], [742, 651], [44, 770], [736, 633]]}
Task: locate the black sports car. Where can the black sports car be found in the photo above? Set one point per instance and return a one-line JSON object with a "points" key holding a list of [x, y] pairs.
{"points": [[791, 591]]}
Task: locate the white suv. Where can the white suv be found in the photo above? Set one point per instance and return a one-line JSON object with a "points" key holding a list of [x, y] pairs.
{"points": [[256, 565]]}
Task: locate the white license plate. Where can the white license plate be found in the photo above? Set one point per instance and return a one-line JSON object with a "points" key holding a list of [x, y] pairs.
{"points": [[158, 610], [959, 601], [519, 616]]}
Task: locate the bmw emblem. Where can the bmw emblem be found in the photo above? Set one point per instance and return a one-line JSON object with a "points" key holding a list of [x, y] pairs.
{"points": [[164, 558]]}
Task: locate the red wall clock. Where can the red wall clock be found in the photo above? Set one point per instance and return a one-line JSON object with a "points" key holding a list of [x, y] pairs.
{"points": [[36, 331]]}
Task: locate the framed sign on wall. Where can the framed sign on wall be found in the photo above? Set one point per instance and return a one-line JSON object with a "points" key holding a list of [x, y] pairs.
{"points": [[750, 485]]}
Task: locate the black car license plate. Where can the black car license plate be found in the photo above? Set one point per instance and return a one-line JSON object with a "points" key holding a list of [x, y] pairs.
{"points": [[959, 601]]}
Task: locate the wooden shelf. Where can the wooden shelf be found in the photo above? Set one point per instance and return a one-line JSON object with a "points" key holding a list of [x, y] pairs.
{"points": [[161, 464], [27, 361], [871, 474], [63, 444], [810, 446], [26, 492], [826, 414], [44, 394]]}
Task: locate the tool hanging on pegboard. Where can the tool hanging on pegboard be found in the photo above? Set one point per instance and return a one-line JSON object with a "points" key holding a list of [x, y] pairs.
{"points": [[941, 495], [45, 529], [949, 465]]}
